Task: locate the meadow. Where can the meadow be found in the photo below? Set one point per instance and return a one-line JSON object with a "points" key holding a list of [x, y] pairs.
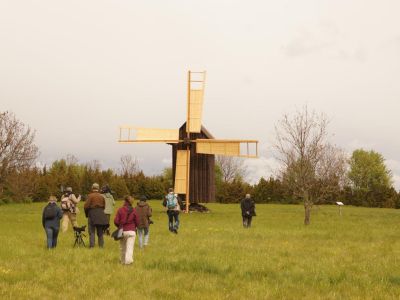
{"points": [[353, 256]]}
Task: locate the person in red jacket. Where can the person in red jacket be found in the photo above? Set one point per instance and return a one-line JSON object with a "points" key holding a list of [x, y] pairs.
{"points": [[127, 219]]}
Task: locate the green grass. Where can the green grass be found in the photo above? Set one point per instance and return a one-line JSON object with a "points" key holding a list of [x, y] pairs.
{"points": [[355, 256]]}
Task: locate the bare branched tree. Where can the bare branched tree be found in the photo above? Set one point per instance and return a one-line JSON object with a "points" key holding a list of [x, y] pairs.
{"points": [[231, 167], [17, 149], [129, 165], [311, 167]]}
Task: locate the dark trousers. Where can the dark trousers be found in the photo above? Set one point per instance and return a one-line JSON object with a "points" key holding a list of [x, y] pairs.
{"points": [[173, 219], [52, 234], [92, 230], [247, 221]]}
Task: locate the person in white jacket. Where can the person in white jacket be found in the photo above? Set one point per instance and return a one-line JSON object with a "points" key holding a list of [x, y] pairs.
{"points": [[69, 207]]}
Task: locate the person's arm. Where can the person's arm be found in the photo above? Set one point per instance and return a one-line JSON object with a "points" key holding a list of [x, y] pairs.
{"points": [[59, 213], [73, 198], [150, 211], [113, 200], [165, 202], [117, 219], [136, 218], [87, 203]]}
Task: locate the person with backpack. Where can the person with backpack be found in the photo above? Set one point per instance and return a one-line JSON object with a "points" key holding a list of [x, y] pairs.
{"points": [[247, 206], [110, 202], [51, 217], [144, 211], [127, 219], [97, 220], [173, 205], [69, 207]]}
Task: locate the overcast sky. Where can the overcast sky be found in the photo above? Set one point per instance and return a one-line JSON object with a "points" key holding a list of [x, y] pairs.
{"points": [[76, 70]]}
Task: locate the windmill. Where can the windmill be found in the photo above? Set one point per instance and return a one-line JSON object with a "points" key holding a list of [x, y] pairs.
{"points": [[191, 143]]}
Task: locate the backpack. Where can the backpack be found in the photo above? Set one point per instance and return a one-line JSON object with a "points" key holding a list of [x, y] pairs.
{"points": [[50, 211], [172, 202], [66, 204]]}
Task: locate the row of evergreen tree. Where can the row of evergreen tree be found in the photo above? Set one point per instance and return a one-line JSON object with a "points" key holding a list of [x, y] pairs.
{"points": [[36, 184]]}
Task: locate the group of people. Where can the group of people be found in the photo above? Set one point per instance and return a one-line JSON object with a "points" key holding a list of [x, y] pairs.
{"points": [[132, 221], [98, 207]]}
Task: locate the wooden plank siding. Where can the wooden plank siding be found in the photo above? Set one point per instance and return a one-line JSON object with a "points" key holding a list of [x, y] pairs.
{"points": [[202, 173]]}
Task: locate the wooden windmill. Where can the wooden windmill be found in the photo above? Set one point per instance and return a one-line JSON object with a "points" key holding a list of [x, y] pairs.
{"points": [[192, 143]]}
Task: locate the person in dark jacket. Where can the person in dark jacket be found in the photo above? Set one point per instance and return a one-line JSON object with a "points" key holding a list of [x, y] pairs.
{"points": [[144, 211], [97, 220], [51, 217], [248, 210], [127, 219]]}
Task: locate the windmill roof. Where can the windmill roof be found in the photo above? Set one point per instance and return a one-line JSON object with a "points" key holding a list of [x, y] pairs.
{"points": [[203, 130]]}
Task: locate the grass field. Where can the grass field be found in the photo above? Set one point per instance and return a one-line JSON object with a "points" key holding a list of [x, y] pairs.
{"points": [[355, 256]]}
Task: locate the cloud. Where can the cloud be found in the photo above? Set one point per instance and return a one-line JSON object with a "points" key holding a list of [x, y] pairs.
{"points": [[325, 39], [167, 161], [394, 166], [260, 167], [358, 144]]}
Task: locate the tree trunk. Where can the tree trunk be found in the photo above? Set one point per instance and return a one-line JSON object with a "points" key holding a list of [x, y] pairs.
{"points": [[307, 208]]}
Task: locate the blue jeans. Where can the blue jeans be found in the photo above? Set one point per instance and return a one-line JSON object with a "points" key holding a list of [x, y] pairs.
{"points": [[52, 234], [146, 233], [173, 219]]}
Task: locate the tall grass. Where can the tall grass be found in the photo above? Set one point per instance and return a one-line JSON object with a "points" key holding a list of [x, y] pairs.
{"points": [[353, 256]]}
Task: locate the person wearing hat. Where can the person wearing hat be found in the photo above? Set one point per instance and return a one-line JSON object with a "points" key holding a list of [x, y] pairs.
{"points": [[248, 210], [69, 204], [51, 217], [144, 211], [110, 202], [97, 220], [127, 220]]}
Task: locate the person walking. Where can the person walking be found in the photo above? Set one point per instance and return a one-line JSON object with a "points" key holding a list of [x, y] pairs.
{"points": [[69, 207], [97, 220], [173, 205], [248, 210], [127, 219], [110, 203], [144, 212], [51, 217]]}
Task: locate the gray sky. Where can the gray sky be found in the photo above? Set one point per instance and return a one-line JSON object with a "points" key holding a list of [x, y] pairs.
{"points": [[76, 70]]}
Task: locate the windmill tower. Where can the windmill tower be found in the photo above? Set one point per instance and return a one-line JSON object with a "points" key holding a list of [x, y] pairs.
{"points": [[193, 147]]}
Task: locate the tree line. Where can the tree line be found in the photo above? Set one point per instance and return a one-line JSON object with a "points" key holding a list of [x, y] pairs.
{"points": [[313, 171]]}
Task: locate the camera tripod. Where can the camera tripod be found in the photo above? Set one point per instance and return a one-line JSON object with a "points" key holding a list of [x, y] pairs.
{"points": [[78, 231]]}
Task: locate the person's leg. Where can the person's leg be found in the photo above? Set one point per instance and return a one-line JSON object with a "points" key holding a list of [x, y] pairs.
{"points": [[55, 236], [100, 237], [146, 236], [249, 221], [130, 243], [49, 236], [244, 221], [176, 216], [122, 247], [72, 218], [170, 220], [140, 232], [107, 231], [91, 229], [64, 222]]}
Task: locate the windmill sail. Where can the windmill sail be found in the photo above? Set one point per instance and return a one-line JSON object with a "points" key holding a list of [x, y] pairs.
{"points": [[196, 83], [129, 134], [182, 168], [242, 148]]}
